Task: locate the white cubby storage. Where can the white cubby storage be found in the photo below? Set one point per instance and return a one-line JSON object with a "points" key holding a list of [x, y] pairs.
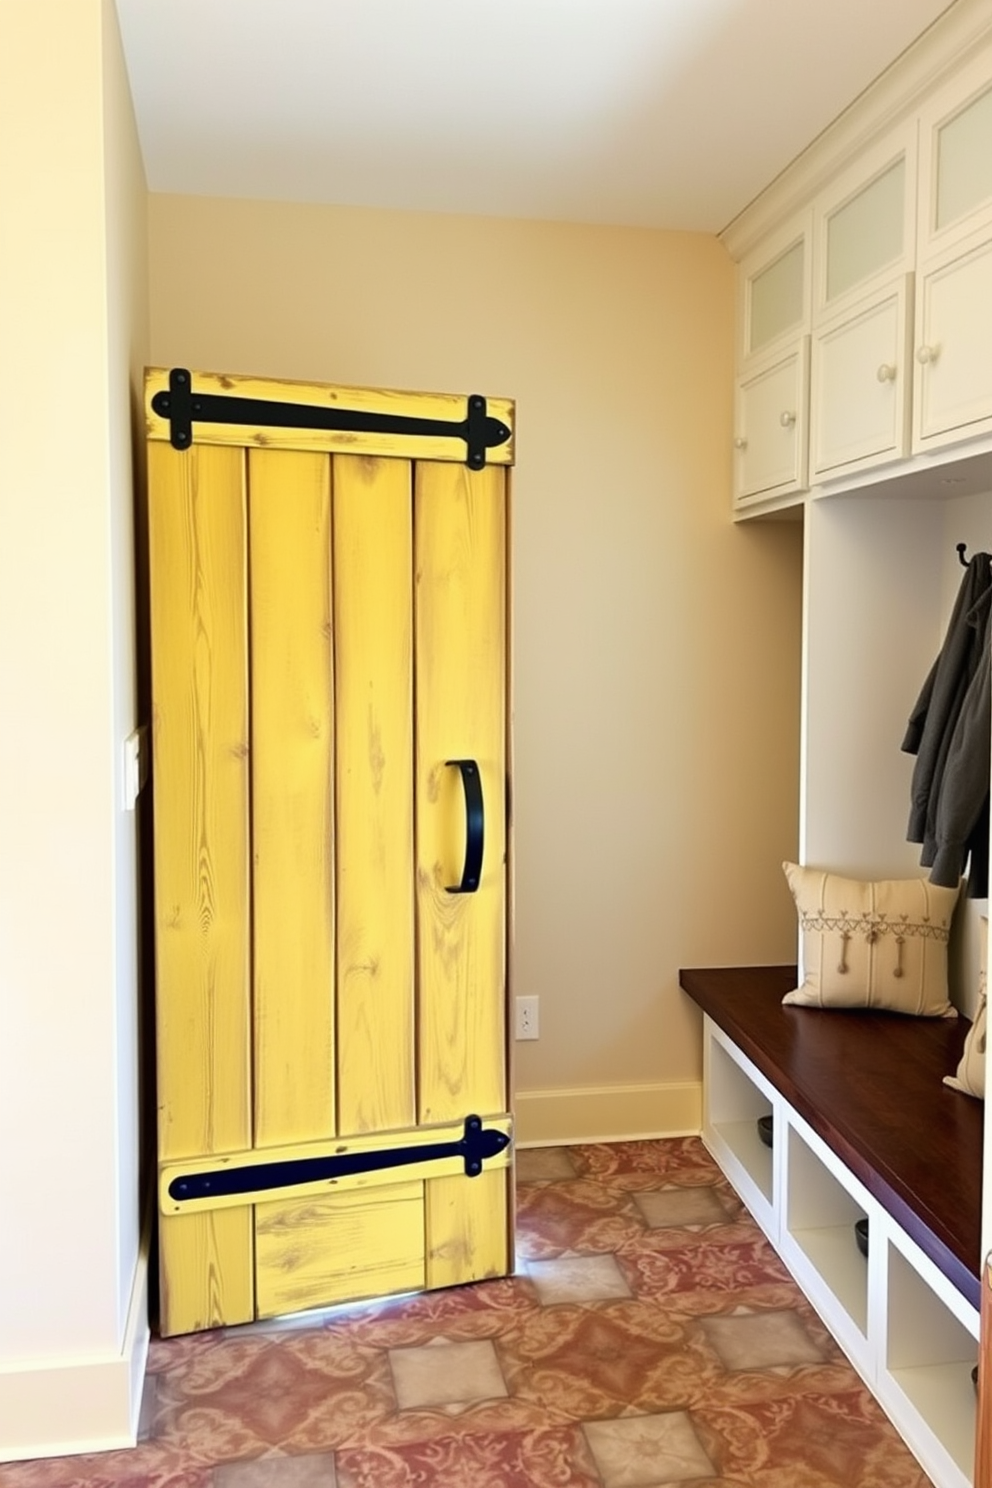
{"points": [[929, 1348], [740, 1096], [821, 1205], [911, 1335]]}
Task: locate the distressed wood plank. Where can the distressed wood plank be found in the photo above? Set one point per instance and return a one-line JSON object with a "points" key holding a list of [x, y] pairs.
{"points": [[292, 794], [200, 773], [315, 1253], [207, 1276], [460, 650], [373, 555], [467, 1228]]}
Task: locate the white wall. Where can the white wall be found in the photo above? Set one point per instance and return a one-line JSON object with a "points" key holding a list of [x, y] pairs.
{"points": [[73, 305]]}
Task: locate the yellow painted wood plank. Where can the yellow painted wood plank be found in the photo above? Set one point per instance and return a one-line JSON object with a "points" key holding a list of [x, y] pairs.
{"points": [[206, 1271], [448, 406], [255, 1157], [373, 607], [460, 651], [200, 791], [467, 1228], [200, 744], [289, 503], [315, 1253]]}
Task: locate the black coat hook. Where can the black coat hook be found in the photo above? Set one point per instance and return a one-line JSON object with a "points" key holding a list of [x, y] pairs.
{"points": [[962, 549]]}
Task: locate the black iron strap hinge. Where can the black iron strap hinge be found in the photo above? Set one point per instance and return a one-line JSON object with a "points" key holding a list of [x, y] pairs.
{"points": [[477, 1144], [183, 407]]}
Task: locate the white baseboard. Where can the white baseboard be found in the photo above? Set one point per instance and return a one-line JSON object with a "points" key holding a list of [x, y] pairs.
{"points": [[60, 1407], [606, 1113]]}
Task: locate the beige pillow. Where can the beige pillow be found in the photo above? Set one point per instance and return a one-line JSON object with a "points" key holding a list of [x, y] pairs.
{"points": [[970, 1076], [872, 945]]}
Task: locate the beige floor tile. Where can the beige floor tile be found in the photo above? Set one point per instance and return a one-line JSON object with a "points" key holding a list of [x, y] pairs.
{"points": [[316, 1471], [578, 1279], [543, 1165], [672, 1208], [647, 1451], [446, 1374], [761, 1340]]}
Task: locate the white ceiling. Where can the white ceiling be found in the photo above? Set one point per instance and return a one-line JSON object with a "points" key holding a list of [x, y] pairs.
{"points": [[661, 113]]}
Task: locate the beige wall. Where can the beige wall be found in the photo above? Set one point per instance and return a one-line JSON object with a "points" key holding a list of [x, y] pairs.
{"points": [[73, 305], [657, 646]]}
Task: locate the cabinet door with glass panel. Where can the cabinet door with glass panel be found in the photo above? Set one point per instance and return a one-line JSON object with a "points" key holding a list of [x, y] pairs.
{"points": [[953, 385], [771, 422], [864, 239]]}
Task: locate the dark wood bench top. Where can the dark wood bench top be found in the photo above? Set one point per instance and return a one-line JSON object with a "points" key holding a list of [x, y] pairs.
{"points": [[870, 1084]]}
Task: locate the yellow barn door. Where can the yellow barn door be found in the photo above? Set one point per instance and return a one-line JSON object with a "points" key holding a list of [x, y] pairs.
{"points": [[328, 573]]}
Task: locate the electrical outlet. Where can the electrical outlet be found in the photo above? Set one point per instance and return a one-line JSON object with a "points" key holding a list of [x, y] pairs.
{"points": [[527, 1019]]}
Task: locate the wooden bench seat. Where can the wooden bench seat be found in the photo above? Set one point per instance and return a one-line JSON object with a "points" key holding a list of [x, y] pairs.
{"points": [[870, 1084]]}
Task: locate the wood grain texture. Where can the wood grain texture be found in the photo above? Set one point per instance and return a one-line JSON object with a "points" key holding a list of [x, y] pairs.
{"points": [[200, 772], [292, 711], [207, 1272], [373, 605], [468, 1228], [314, 1253], [447, 406], [460, 665], [870, 1084]]}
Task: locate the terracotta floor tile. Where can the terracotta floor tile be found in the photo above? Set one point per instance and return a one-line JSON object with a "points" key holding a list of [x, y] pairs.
{"points": [[537, 1459]]}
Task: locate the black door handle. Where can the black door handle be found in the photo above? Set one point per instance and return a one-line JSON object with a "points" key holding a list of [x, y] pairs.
{"points": [[475, 826]]}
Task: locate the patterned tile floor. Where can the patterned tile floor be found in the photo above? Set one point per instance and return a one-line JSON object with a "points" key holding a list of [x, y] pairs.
{"points": [[651, 1339]]}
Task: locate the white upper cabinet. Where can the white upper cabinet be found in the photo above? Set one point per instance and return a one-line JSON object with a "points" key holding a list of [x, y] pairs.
{"points": [[864, 238], [770, 445], [771, 411], [864, 230], [774, 297], [861, 379], [953, 383], [864, 319], [956, 159]]}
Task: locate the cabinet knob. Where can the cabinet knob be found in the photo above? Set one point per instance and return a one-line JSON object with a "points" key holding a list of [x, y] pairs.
{"points": [[926, 354], [886, 373], [740, 442], [787, 419]]}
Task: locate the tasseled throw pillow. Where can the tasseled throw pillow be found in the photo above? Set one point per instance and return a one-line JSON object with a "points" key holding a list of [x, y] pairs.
{"points": [[970, 1075], [872, 945]]}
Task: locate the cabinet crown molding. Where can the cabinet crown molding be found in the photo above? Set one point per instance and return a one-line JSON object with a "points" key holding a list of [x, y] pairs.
{"points": [[953, 39]]}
